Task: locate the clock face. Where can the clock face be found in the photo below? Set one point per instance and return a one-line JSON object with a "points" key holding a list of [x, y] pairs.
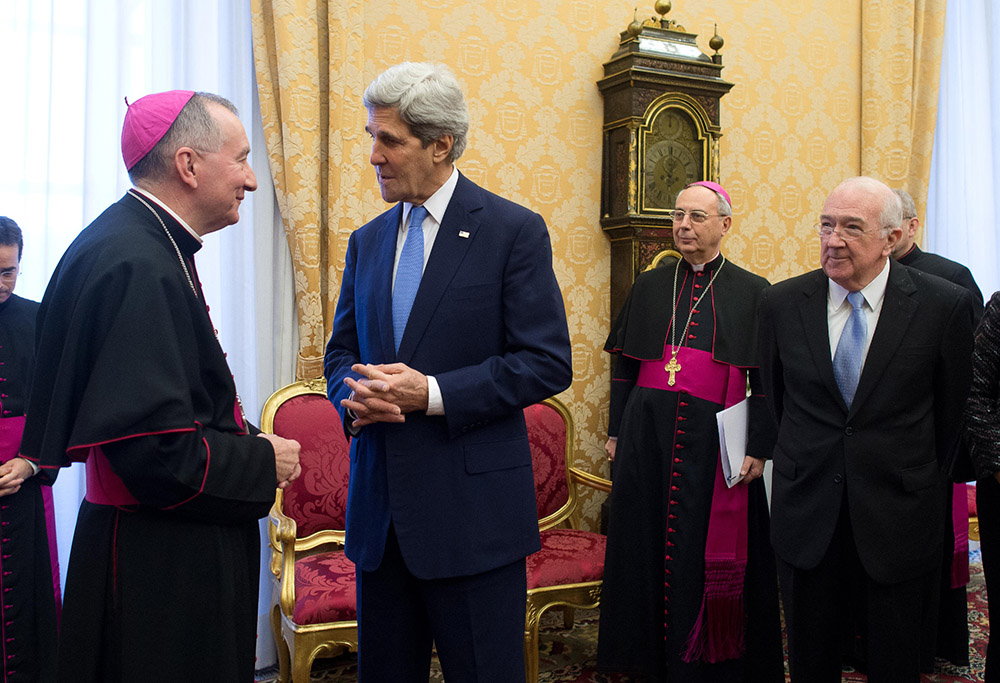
{"points": [[672, 158]]}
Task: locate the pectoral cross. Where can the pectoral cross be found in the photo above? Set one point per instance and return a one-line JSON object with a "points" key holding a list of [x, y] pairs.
{"points": [[673, 367]]}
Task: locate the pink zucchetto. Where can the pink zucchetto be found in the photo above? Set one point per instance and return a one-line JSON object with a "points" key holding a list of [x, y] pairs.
{"points": [[147, 121], [715, 187]]}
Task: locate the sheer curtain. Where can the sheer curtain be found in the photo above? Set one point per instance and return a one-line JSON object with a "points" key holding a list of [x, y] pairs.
{"points": [[963, 200], [68, 65]]}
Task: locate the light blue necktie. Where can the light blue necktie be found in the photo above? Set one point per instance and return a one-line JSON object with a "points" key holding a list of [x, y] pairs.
{"points": [[850, 349], [408, 272]]}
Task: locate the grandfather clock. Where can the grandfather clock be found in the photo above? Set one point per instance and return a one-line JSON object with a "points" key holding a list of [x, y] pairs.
{"points": [[661, 132]]}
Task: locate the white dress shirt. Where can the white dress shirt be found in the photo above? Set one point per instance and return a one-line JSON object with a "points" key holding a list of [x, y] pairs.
{"points": [[838, 308], [436, 205]]}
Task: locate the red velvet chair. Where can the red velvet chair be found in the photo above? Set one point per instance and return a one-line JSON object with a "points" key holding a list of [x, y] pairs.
{"points": [[569, 569], [315, 611]]}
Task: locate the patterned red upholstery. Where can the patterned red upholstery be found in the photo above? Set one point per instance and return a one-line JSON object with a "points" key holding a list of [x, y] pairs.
{"points": [[324, 589], [567, 556], [317, 499], [547, 436]]}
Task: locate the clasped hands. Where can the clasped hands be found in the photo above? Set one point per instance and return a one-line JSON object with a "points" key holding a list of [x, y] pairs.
{"points": [[12, 474], [286, 458], [385, 393]]}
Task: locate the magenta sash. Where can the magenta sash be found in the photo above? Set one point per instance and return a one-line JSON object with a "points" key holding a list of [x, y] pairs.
{"points": [[717, 634], [104, 487], [960, 522], [11, 430]]}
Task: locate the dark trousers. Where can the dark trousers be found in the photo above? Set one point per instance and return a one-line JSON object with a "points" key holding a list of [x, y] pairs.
{"points": [[988, 509], [818, 604], [476, 622]]}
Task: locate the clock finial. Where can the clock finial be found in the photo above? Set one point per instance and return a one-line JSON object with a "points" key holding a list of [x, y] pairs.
{"points": [[716, 42], [635, 28], [662, 7]]}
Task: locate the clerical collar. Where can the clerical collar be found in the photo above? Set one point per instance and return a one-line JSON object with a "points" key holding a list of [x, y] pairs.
{"points": [[438, 202], [701, 266], [873, 292], [150, 196]]}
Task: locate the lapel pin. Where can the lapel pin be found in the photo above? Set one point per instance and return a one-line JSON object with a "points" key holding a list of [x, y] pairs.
{"points": [[464, 234]]}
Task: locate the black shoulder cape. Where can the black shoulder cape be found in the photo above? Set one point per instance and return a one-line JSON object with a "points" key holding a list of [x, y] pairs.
{"points": [[641, 327]]}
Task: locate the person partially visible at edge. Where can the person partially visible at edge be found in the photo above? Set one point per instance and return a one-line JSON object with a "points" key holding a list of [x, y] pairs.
{"points": [[983, 435], [690, 591], [946, 626], [130, 378], [866, 367], [450, 322], [29, 601]]}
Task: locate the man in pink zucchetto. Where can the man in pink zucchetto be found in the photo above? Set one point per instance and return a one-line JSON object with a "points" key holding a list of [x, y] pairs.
{"points": [[130, 379], [690, 588]]}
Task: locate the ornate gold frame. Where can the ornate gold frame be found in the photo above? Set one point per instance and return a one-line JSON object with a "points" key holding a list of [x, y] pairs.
{"points": [[568, 596], [298, 645]]}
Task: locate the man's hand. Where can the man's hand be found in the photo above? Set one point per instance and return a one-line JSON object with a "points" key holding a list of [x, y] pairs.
{"points": [[286, 458], [752, 469], [610, 447], [386, 394], [12, 475]]}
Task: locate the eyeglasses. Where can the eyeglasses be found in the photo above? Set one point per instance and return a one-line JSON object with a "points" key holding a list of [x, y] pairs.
{"points": [[697, 217], [8, 275], [848, 233]]}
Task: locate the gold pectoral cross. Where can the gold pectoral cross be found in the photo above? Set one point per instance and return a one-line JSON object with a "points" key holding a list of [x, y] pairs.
{"points": [[673, 367]]}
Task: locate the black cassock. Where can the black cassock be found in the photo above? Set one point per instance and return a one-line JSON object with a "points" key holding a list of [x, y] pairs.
{"points": [[28, 582], [127, 361], [660, 504]]}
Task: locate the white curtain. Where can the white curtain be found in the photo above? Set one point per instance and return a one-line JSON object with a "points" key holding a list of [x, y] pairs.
{"points": [[963, 200], [67, 67]]}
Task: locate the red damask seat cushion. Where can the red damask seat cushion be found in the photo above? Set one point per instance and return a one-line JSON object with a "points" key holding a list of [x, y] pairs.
{"points": [[567, 556], [318, 498], [547, 437], [324, 589]]}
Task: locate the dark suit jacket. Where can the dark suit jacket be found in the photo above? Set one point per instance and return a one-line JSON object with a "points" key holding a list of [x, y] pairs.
{"points": [[952, 271], [488, 323], [882, 454]]}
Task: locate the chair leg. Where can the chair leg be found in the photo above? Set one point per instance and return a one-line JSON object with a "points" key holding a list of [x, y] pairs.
{"points": [[301, 666], [531, 644], [569, 615], [284, 661]]}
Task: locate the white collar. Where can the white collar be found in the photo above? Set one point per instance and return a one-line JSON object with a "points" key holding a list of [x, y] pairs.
{"points": [[438, 202], [873, 292], [150, 196]]}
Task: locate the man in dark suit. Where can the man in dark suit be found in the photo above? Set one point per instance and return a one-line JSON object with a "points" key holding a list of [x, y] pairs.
{"points": [[946, 625], [866, 365], [909, 254], [441, 508]]}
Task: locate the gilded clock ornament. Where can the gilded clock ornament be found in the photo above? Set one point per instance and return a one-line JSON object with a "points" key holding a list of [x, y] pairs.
{"points": [[661, 131]]}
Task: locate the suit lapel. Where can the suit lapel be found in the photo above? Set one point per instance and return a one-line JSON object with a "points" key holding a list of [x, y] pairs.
{"points": [[817, 332], [382, 278], [455, 237], [898, 309]]}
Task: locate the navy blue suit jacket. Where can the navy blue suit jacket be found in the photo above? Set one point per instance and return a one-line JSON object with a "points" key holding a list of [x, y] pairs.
{"points": [[488, 323]]}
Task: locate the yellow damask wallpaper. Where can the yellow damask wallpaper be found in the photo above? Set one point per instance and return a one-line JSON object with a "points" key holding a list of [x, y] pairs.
{"points": [[792, 130]]}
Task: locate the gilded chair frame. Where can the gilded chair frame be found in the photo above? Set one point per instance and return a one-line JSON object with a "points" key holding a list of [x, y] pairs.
{"points": [[585, 595], [298, 645]]}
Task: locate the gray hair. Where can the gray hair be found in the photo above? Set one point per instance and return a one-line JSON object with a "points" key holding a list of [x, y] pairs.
{"points": [[909, 208], [10, 235], [427, 98], [194, 127], [891, 214], [722, 206]]}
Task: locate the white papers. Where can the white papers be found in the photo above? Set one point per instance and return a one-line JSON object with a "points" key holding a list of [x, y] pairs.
{"points": [[733, 441]]}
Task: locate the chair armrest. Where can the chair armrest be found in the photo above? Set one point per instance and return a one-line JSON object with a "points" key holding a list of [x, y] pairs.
{"points": [[592, 480], [281, 531]]}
